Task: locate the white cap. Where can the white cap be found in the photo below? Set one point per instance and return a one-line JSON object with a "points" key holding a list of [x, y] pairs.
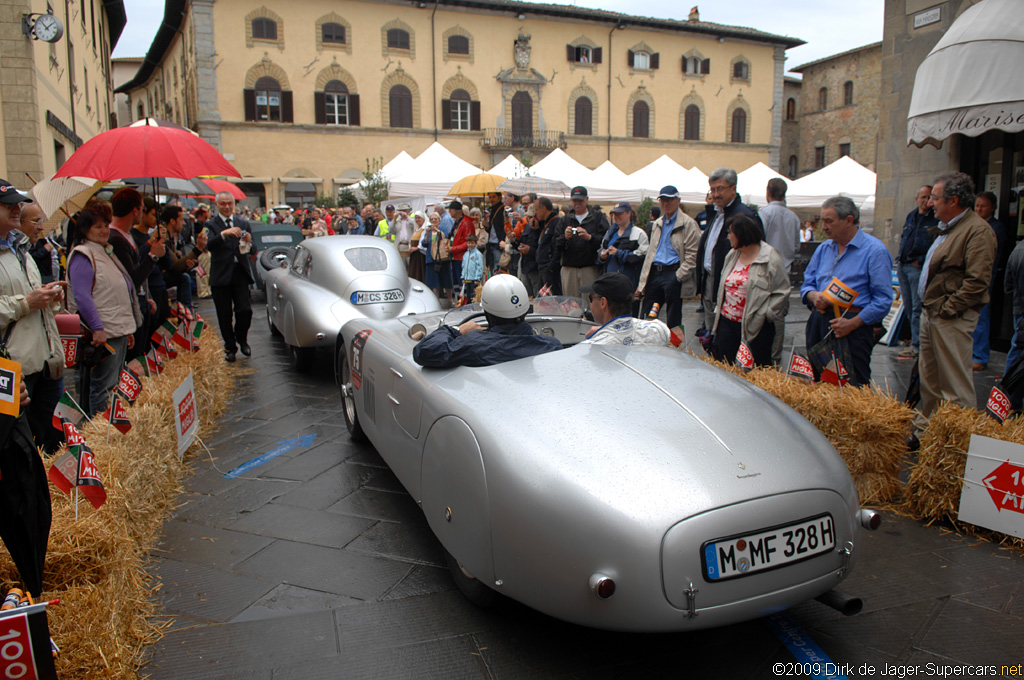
{"points": [[505, 297]]}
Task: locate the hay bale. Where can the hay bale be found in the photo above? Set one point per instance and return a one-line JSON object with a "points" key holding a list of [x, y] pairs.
{"points": [[95, 564], [865, 426], [936, 478]]}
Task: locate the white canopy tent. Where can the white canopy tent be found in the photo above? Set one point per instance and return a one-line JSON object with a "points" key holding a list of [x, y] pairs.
{"points": [[845, 177], [509, 167], [969, 83], [608, 183], [752, 183], [692, 184], [561, 166], [432, 173]]}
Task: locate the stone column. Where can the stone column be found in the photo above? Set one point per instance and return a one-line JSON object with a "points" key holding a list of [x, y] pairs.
{"points": [[778, 106], [22, 135], [209, 122]]}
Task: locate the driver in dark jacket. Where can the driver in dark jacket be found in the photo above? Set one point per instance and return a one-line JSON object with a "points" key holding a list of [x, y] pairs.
{"points": [[507, 337]]}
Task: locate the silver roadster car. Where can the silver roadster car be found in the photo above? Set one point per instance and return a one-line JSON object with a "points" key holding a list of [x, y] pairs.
{"points": [[332, 279], [630, 488]]}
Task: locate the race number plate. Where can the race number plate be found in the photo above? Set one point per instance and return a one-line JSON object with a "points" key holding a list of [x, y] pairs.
{"points": [[369, 297], [737, 556]]}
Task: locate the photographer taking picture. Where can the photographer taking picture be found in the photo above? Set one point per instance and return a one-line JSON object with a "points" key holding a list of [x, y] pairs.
{"points": [[577, 245]]}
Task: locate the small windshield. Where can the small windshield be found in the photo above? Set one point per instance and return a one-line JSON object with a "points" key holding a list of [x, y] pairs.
{"points": [[554, 305], [367, 259]]}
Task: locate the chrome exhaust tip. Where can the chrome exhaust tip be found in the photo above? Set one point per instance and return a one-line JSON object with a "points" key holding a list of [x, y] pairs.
{"points": [[869, 519]]}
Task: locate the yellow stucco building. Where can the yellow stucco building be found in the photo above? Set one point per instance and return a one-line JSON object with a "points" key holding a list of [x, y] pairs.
{"points": [[299, 96], [56, 90]]}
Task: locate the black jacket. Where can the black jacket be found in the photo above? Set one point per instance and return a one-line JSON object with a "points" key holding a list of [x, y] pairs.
{"points": [[547, 260], [530, 237], [156, 276], [447, 348], [224, 253], [721, 247], [575, 251]]}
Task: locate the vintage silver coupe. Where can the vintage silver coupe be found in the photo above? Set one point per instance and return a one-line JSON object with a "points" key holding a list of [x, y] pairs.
{"points": [[624, 488], [332, 279]]}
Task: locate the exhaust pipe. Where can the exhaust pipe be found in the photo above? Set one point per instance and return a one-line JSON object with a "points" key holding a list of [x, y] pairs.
{"points": [[844, 604], [869, 519]]}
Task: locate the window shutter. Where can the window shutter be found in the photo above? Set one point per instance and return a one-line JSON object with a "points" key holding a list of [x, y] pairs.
{"points": [[320, 106], [597, 54], [570, 53], [286, 107], [353, 109], [629, 57], [446, 114], [249, 97], [656, 60], [474, 115], [705, 66]]}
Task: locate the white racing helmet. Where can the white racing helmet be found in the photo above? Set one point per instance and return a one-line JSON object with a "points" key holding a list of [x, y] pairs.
{"points": [[505, 297]]}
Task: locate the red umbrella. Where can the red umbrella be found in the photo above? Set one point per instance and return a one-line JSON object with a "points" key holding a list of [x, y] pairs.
{"points": [[219, 185], [146, 151]]}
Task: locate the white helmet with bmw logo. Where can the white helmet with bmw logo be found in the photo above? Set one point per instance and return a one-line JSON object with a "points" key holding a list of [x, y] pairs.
{"points": [[505, 297]]}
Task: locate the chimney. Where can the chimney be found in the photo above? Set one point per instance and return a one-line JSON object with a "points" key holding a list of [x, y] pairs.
{"points": [[694, 14]]}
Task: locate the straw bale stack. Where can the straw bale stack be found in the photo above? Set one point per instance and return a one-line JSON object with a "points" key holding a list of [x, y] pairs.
{"points": [[936, 478], [95, 564], [865, 426]]}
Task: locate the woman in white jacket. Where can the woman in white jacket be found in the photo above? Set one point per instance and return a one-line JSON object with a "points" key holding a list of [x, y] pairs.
{"points": [[753, 293]]}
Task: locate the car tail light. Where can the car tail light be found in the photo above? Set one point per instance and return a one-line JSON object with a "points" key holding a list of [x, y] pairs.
{"points": [[602, 586]]}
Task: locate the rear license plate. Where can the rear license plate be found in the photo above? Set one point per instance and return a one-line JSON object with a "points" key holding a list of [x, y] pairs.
{"points": [[737, 556], [369, 297]]}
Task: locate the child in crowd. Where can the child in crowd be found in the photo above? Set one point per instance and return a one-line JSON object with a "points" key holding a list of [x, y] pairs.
{"points": [[472, 268]]}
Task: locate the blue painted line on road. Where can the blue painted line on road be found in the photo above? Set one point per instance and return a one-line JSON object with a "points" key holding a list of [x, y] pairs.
{"points": [[280, 448], [804, 649]]}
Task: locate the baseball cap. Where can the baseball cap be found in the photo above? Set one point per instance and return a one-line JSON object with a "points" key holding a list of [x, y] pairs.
{"points": [[390, 207], [578, 192], [669, 191], [8, 194], [613, 285], [622, 207]]}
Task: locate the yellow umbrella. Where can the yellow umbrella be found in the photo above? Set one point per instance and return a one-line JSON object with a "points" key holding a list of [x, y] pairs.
{"points": [[476, 185]]}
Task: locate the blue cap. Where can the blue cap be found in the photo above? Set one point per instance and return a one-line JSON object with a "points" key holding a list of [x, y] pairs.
{"points": [[669, 191]]}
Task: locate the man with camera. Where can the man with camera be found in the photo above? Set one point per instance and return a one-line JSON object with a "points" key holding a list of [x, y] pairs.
{"points": [[578, 243]]}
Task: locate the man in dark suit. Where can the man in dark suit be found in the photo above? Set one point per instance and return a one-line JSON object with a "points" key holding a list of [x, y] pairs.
{"points": [[229, 240], [714, 240]]}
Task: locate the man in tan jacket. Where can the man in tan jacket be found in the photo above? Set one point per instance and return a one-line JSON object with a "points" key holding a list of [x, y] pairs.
{"points": [[954, 286], [669, 272]]}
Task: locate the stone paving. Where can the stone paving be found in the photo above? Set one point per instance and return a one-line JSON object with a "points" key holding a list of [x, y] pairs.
{"points": [[317, 564]]}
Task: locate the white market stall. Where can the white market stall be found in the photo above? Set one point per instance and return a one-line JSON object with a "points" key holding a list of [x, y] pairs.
{"points": [[692, 184], [510, 167]]}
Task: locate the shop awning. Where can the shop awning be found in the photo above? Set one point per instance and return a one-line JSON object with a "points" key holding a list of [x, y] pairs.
{"points": [[971, 82]]}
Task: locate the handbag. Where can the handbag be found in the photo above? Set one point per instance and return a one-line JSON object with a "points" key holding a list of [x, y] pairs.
{"points": [[440, 250]]}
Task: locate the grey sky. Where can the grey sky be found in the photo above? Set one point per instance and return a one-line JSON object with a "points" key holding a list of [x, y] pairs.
{"points": [[828, 26]]}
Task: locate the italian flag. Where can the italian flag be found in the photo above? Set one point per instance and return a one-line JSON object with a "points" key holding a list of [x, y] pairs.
{"points": [[67, 410]]}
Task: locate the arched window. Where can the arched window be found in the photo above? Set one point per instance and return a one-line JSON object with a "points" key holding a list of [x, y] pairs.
{"points": [[268, 99], [641, 60], [847, 93], [823, 99], [336, 103], [460, 110], [264, 28], [333, 33], [458, 44], [584, 113], [792, 166], [739, 126], [398, 39], [400, 99], [641, 119], [790, 109], [692, 123]]}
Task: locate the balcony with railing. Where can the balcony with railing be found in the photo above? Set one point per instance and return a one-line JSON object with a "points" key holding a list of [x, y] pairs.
{"points": [[507, 138]]}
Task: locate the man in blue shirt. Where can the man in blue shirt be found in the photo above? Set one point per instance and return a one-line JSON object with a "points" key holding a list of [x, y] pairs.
{"points": [[862, 263], [669, 272]]}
